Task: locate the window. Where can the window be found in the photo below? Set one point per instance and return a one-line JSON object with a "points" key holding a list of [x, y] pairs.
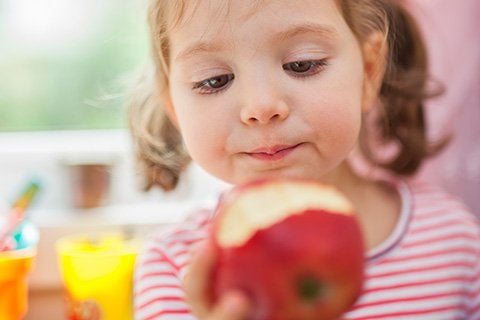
{"points": [[64, 64]]}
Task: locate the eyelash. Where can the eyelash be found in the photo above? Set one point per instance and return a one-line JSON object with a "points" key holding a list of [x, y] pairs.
{"points": [[313, 67], [206, 86]]}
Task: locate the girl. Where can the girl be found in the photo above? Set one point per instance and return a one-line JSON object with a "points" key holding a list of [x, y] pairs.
{"points": [[257, 88]]}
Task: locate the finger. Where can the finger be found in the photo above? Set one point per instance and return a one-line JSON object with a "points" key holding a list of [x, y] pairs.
{"points": [[233, 306], [198, 278]]}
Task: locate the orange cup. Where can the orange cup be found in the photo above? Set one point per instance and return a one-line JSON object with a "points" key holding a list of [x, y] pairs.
{"points": [[15, 266]]}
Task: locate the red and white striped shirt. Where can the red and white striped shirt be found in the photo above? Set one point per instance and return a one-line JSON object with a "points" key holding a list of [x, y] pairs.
{"points": [[428, 268]]}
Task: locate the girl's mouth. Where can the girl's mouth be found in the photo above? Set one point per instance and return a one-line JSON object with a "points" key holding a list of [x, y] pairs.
{"points": [[273, 153]]}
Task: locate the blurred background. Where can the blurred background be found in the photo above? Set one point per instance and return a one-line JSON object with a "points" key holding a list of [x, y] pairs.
{"points": [[64, 63], [450, 30]]}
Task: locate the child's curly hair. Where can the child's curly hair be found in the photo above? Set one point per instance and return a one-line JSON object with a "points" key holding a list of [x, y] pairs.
{"points": [[400, 120]]}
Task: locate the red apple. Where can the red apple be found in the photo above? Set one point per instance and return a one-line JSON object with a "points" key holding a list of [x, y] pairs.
{"points": [[293, 246]]}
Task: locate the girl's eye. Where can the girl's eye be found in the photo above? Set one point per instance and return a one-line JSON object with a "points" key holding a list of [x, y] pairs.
{"points": [[305, 68], [214, 84]]}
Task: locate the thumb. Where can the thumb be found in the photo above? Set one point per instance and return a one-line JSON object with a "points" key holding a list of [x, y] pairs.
{"points": [[234, 305]]}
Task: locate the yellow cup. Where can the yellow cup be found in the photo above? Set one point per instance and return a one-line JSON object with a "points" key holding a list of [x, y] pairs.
{"points": [[98, 276], [15, 266]]}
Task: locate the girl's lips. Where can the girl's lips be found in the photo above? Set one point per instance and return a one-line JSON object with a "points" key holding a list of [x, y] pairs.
{"points": [[274, 153]]}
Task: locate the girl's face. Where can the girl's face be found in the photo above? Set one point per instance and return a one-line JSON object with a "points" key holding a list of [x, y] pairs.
{"points": [[266, 88]]}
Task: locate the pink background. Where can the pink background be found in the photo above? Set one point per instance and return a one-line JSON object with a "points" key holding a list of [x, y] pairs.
{"points": [[452, 32]]}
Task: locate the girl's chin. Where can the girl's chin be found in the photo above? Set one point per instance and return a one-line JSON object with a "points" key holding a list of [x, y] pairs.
{"points": [[332, 173], [280, 173]]}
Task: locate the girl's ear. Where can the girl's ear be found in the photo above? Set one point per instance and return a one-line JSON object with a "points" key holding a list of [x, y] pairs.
{"points": [[374, 51], [169, 109]]}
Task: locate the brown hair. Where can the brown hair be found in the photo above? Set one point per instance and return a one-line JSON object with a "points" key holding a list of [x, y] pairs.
{"points": [[400, 121], [404, 88], [159, 147]]}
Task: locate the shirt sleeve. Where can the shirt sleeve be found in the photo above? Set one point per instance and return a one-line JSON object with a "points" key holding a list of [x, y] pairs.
{"points": [[158, 292], [160, 267]]}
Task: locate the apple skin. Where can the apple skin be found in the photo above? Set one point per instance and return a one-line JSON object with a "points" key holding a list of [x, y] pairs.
{"points": [[309, 264]]}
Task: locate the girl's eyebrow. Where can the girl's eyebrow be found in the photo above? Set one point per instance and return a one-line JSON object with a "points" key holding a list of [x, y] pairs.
{"points": [[198, 48], [320, 30]]}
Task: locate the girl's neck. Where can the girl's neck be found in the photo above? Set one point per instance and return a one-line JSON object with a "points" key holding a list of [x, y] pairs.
{"points": [[377, 204]]}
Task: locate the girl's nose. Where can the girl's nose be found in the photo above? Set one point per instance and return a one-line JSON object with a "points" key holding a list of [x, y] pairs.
{"points": [[264, 108]]}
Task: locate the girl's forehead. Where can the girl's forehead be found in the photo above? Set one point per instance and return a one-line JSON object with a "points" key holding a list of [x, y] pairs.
{"points": [[186, 9], [224, 11], [203, 17]]}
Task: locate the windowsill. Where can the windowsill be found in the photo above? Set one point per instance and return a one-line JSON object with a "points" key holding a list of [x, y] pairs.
{"points": [[45, 155], [64, 142], [122, 214]]}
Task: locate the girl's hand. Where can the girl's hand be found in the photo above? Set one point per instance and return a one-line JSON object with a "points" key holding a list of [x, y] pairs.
{"points": [[232, 306]]}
